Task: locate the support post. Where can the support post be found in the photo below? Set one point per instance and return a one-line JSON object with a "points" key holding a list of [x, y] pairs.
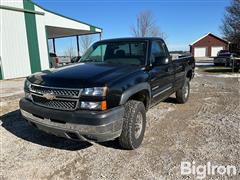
{"points": [[100, 36], [78, 49], [54, 47]]}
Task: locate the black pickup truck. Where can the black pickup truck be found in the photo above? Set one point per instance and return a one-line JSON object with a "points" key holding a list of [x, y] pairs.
{"points": [[106, 95]]}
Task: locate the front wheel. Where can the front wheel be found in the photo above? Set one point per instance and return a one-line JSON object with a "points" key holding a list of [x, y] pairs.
{"points": [[134, 124], [182, 94]]}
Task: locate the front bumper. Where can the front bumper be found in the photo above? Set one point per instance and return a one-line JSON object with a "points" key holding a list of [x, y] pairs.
{"points": [[78, 125], [220, 60]]}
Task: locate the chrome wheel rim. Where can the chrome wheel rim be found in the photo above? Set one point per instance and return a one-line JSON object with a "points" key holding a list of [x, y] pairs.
{"points": [[138, 125], [186, 90]]}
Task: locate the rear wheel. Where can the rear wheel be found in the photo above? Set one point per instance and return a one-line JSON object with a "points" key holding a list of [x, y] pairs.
{"points": [[227, 64], [236, 69], [182, 94], [134, 124]]}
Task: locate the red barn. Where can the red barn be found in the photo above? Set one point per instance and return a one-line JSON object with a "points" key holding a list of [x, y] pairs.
{"points": [[208, 46]]}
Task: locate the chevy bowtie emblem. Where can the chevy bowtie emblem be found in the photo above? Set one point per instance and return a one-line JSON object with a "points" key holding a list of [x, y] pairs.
{"points": [[49, 96]]}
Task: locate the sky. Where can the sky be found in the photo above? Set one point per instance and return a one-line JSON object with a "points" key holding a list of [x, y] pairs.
{"points": [[183, 21]]}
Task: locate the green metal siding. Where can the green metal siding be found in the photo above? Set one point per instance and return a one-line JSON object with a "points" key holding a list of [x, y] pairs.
{"points": [[1, 75], [32, 38], [92, 29]]}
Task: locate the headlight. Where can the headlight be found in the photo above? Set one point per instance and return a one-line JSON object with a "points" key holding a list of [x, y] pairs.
{"points": [[94, 105], [27, 85], [96, 91]]}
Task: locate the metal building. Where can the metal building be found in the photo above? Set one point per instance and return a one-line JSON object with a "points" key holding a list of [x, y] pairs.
{"points": [[25, 28], [208, 46]]}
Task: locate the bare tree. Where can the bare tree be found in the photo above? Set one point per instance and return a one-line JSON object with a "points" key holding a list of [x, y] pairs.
{"points": [[146, 26], [70, 51], [231, 22], [85, 42]]}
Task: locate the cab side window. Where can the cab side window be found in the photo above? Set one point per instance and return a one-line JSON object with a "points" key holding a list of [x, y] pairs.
{"points": [[158, 54]]}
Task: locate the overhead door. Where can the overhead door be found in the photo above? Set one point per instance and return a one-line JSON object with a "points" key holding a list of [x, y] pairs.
{"points": [[200, 52], [14, 50], [215, 51]]}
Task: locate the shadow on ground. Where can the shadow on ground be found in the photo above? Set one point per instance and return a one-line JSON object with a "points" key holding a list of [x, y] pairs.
{"points": [[15, 124], [204, 65], [218, 70], [111, 144], [171, 100]]}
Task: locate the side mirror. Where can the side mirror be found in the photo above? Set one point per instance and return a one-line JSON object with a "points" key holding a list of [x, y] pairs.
{"points": [[165, 61], [161, 61]]}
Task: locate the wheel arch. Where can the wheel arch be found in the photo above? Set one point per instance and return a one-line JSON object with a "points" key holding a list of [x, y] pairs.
{"points": [[141, 92], [189, 74]]}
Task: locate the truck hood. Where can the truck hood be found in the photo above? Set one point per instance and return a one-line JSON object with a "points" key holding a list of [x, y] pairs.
{"points": [[83, 75]]}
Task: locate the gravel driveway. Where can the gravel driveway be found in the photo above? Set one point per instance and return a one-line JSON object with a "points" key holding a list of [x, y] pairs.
{"points": [[206, 128]]}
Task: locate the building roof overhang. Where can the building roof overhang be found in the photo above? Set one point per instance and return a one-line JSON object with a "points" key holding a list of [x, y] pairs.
{"points": [[208, 35], [58, 26]]}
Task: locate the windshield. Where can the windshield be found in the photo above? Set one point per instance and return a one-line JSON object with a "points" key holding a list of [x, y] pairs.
{"points": [[126, 52]]}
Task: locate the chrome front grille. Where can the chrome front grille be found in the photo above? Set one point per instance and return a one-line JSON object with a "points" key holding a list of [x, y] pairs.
{"points": [[62, 104], [61, 98], [61, 92]]}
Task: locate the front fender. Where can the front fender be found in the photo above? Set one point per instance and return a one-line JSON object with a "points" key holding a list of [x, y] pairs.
{"points": [[133, 90]]}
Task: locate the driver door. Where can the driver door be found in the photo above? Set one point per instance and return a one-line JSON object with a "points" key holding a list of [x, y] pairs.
{"points": [[161, 73]]}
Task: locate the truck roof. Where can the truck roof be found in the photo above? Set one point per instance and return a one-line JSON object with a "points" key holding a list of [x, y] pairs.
{"points": [[132, 39]]}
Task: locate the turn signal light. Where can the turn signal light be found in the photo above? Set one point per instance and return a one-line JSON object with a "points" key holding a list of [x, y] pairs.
{"points": [[104, 105]]}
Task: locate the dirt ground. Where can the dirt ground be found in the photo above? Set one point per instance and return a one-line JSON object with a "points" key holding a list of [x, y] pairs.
{"points": [[206, 128]]}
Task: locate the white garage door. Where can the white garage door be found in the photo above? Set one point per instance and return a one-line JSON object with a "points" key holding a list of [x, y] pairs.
{"points": [[215, 50], [200, 52]]}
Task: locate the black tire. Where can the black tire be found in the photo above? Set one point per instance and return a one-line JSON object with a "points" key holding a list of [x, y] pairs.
{"points": [[182, 94], [236, 69], [227, 63], [130, 138]]}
